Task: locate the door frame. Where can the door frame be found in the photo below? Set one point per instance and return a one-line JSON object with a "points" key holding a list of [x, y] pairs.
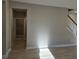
{"points": [[13, 28]]}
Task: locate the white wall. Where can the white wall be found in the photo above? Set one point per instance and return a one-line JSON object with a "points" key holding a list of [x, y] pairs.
{"points": [[71, 4], [46, 26], [7, 25], [6, 28]]}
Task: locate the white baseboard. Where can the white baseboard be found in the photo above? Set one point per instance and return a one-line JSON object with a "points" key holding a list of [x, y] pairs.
{"points": [[51, 46], [7, 53], [31, 48], [64, 45]]}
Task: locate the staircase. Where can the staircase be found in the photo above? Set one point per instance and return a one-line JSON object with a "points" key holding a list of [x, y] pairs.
{"points": [[72, 22]]}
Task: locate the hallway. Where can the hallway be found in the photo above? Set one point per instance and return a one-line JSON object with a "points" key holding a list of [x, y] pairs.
{"points": [[19, 44], [47, 53]]}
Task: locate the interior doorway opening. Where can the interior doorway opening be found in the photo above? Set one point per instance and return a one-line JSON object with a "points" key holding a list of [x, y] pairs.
{"points": [[19, 29]]}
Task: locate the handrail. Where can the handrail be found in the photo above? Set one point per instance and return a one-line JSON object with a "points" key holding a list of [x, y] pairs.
{"points": [[72, 20]]}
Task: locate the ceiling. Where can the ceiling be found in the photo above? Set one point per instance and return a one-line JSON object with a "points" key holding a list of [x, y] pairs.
{"points": [[71, 4]]}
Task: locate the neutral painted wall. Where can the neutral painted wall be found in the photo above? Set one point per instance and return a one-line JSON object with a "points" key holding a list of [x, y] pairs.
{"points": [[7, 26], [71, 4], [46, 26], [3, 28]]}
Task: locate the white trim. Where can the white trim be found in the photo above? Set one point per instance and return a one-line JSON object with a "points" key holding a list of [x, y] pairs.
{"points": [[63, 45], [7, 53], [31, 47]]}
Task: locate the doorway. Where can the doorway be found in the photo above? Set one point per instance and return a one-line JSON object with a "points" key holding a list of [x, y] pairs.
{"points": [[19, 29]]}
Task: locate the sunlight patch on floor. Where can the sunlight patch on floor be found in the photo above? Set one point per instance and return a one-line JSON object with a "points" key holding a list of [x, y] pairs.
{"points": [[46, 54]]}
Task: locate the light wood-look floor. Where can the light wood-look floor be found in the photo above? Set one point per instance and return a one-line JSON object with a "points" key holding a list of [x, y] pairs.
{"points": [[46, 53], [19, 44], [58, 53]]}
